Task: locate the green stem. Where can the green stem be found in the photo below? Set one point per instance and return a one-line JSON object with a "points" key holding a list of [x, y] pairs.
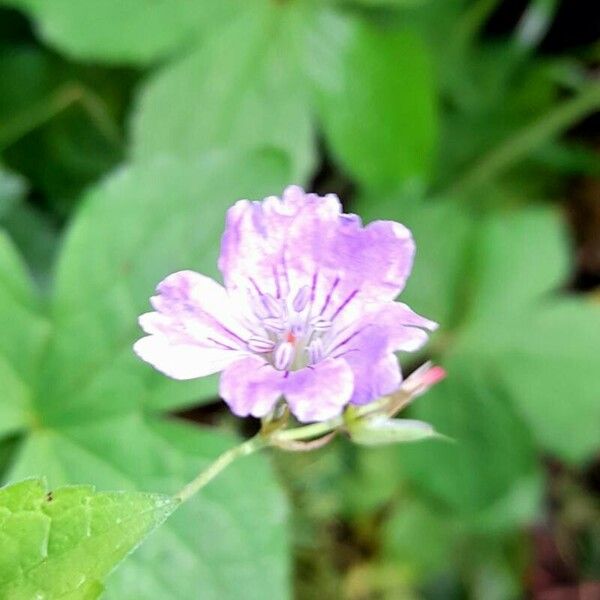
{"points": [[273, 438], [204, 477], [519, 145], [307, 432], [41, 112]]}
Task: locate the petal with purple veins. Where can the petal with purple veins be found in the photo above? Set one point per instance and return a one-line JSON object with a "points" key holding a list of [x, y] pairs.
{"points": [[285, 244], [200, 308], [368, 347], [320, 392], [251, 387], [183, 360]]}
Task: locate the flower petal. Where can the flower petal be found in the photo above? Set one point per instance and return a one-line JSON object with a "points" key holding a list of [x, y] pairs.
{"points": [[251, 387], [198, 307], [369, 346], [320, 392], [183, 360], [282, 245], [194, 331]]}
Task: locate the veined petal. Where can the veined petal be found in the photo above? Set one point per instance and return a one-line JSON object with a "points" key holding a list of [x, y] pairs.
{"points": [[320, 392], [251, 386], [183, 360], [193, 331], [369, 345], [283, 245], [197, 307]]}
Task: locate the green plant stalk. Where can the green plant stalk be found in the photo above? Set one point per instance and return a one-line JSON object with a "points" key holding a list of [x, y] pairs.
{"points": [[279, 438], [519, 145], [58, 102], [204, 477]]}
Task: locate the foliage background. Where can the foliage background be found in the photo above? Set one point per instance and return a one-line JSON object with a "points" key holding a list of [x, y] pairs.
{"points": [[128, 127]]}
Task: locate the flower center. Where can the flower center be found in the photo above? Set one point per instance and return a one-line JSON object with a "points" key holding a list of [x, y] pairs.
{"points": [[286, 333]]}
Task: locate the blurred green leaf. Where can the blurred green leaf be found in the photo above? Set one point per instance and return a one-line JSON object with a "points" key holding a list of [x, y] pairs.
{"points": [[499, 276], [12, 190], [23, 335], [376, 97], [92, 402], [551, 368], [55, 127], [493, 451], [198, 551], [419, 538], [240, 89], [62, 544], [137, 227], [519, 362], [36, 236], [122, 31]]}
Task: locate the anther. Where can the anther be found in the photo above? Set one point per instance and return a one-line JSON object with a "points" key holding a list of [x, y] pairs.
{"points": [[274, 324], [315, 351], [272, 305], [320, 324], [260, 345], [301, 299], [283, 356]]}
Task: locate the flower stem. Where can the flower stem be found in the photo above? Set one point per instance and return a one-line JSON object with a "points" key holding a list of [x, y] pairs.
{"points": [[274, 438], [204, 477]]}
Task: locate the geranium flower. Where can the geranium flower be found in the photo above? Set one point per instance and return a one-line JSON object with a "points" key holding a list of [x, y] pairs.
{"points": [[307, 312]]}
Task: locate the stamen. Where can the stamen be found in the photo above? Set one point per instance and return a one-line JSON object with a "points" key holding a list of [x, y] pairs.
{"points": [[258, 307], [274, 324], [260, 345], [320, 324], [272, 305], [301, 299], [283, 356], [315, 351]]}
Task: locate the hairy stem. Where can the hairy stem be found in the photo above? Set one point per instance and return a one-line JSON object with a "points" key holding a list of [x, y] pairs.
{"points": [[204, 477], [286, 439]]}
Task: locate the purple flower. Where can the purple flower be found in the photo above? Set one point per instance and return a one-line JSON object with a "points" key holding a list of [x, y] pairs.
{"points": [[307, 312]]}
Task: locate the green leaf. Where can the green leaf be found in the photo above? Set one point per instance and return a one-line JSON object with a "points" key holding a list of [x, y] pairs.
{"points": [[63, 543], [134, 229], [130, 31], [419, 538], [442, 232], [380, 430], [376, 98], [59, 121], [551, 368], [23, 334], [12, 190], [237, 519], [36, 237], [493, 282], [240, 89], [521, 259], [493, 451], [95, 403]]}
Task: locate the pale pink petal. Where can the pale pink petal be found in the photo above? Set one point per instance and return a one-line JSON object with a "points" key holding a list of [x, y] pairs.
{"points": [[251, 387], [320, 392], [182, 360]]}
